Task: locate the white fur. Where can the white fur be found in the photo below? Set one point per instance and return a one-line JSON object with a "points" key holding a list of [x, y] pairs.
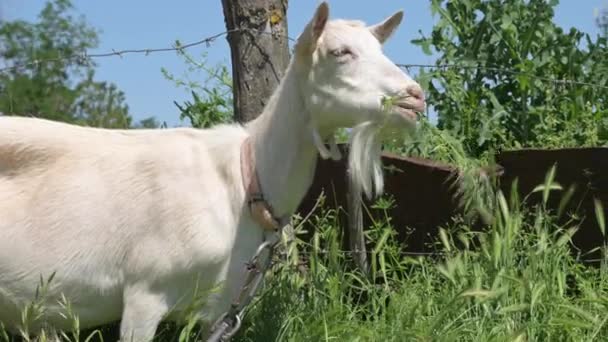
{"points": [[333, 152], [365, 164], [132, 222]]}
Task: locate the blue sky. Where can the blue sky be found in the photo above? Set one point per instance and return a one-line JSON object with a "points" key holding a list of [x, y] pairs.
{"points": [[135, 24]]}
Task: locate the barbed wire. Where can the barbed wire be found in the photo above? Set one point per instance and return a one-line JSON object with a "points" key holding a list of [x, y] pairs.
{"points": [[498, 70], [309, 253], [305, 257], [84, 56], [347, 252]]}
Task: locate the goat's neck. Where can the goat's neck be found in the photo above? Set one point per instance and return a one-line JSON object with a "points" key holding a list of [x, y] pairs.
{"points": [[284, 151]]}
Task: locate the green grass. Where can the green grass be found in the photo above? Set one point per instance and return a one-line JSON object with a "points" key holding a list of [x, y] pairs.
{"points": [[515, 281]]}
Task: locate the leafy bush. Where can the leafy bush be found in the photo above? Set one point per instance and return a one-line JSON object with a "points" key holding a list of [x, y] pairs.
{"points": [[48, 81], [508, 79], [212, 100]]}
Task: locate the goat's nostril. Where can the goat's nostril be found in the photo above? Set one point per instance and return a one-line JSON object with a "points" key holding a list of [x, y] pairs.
{"points": [[416, 92]]}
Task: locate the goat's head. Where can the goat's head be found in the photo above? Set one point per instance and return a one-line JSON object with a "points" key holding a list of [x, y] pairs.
{"points": [[347, 79]]}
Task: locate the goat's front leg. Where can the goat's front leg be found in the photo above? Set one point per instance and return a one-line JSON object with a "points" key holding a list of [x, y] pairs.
{"points": [[142, 312]]}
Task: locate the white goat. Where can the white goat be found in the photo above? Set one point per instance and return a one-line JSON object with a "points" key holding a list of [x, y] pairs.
{"points": [[132, 221]]}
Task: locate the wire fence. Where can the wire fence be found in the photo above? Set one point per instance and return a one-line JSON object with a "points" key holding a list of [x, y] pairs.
{"points": [[324, 252], [500, 70], [309, 253], [85, 57]]}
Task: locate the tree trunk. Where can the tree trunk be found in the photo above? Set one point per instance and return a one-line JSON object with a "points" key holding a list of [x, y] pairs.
{"points": [[258, 45]]}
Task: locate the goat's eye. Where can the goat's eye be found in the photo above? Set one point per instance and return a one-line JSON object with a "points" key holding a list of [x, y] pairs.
{"points": [[341, 52]]}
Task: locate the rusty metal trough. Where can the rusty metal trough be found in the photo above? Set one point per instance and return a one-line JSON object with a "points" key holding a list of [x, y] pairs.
{"points": [[424, 199]]}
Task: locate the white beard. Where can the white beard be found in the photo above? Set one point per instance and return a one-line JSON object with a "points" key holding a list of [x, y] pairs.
{"points": [[364, 160]]}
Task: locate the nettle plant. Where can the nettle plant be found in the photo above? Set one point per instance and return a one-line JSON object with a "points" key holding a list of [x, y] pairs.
{"points": [[211, 102], [503, 95]]}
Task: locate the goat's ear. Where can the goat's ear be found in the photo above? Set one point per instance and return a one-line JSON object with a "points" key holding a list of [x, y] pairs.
{"points": [[307, 41], [382, 31]]}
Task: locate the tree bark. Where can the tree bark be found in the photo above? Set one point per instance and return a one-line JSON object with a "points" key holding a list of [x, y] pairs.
{"points": [[260, 54]]}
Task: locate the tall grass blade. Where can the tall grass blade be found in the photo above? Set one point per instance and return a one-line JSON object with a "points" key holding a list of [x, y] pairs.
{"points": [[565, 200], [444, 240], [548, 185], [599, 215], [566, 237]]}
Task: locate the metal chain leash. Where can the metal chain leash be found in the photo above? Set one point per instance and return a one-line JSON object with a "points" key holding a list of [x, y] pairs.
{"points": [[230, 322]]}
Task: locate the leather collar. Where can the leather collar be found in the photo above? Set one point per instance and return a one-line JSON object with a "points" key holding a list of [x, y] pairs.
{"points": [[259, 208]]}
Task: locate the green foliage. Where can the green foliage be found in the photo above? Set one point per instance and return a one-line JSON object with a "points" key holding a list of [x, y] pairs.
{"points": [[212, 100], [101, 104], [149, 123], [48, 85], [43, 89], [502, 93], [517, 280], [474, 179]]}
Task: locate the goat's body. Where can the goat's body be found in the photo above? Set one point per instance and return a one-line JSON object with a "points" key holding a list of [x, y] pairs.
{"points": [[115, 212], [132, 222]]}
